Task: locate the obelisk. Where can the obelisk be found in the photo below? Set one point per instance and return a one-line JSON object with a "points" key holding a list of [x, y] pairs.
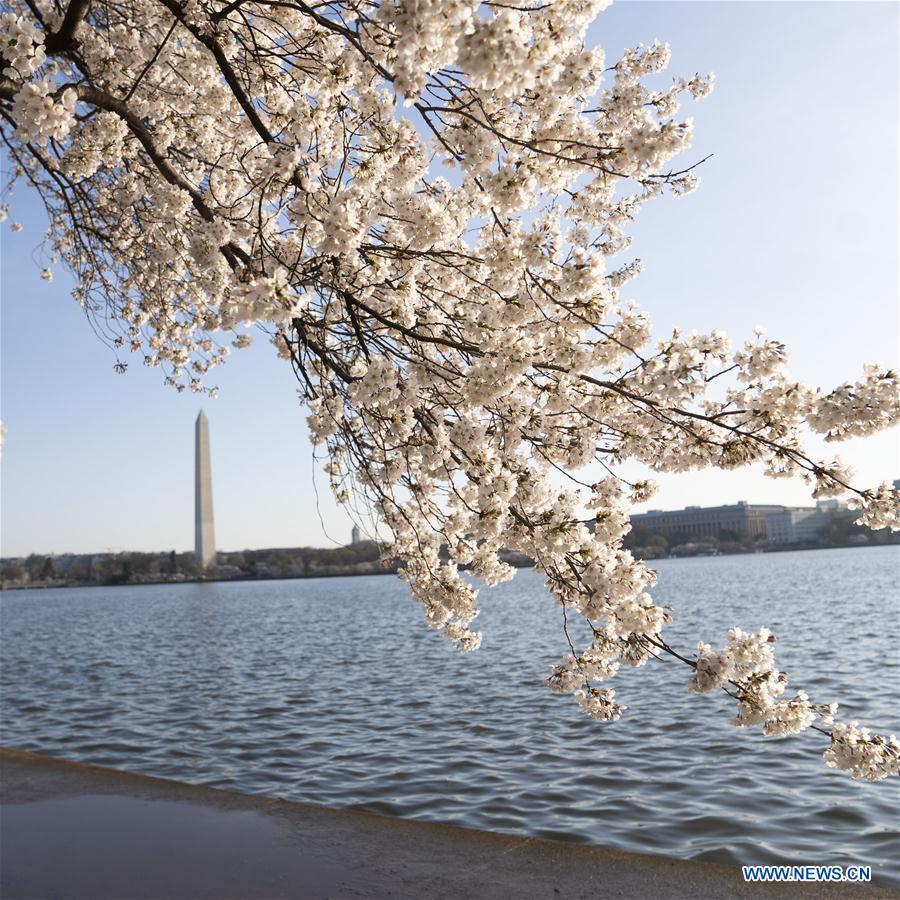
{"points": [[204, 533]]}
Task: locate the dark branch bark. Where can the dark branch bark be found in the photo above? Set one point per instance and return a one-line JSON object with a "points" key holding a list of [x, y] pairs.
{"points": [[63, 40], [225, 68]]}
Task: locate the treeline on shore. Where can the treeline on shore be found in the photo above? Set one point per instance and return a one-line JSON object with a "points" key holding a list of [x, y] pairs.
{"points": [[73, 569], [39, 570]]}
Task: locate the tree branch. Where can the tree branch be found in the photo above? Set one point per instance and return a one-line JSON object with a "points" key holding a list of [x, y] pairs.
{"points": [[63, 40]]}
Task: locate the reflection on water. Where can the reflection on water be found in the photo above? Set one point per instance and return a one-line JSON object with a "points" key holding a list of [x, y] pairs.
{"points": [[331, 691]]}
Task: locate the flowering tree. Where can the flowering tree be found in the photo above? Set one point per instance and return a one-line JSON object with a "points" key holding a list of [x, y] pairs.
{"points": [[423, 203]]}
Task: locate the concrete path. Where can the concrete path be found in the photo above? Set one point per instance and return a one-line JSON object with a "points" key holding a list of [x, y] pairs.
{"points": [[77, 832]]}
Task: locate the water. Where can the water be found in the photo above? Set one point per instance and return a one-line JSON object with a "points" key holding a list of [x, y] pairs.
{"points": [[331, 691]]}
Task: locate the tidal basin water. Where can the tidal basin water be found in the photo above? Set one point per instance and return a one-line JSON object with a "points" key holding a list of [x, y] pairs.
{"points": [[331, 691]]}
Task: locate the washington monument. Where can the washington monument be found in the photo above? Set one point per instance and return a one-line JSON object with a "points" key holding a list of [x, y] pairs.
{"points": [[204, 533]]}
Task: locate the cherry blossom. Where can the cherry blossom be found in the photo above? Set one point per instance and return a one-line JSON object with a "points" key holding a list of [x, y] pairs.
{"points": [[424, 206]]}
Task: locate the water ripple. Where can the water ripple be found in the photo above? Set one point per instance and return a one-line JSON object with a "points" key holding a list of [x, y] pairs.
{"points": [[330, 691]]}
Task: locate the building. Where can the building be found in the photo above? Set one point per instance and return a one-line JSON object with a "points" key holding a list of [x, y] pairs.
{"points": [[204, 531], [355, 536], [738, 521], [790, 526], [801, 525]]}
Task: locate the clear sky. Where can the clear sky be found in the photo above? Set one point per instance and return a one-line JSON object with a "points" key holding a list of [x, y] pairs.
{"points": [[795, 226]]}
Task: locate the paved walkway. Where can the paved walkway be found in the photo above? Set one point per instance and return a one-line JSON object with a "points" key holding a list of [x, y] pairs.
{"points": [[78, 832]]}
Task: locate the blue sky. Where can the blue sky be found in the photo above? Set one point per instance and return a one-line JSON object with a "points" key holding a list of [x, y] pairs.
{"points": [[795, 226]]}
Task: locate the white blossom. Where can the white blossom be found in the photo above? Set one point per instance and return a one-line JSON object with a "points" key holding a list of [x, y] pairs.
{"points": [[600, 704], [713, 669], [857, 751]]}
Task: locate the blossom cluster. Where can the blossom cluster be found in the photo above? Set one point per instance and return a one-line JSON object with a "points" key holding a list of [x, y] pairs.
{"points": [[863, 755], [424, 205]]}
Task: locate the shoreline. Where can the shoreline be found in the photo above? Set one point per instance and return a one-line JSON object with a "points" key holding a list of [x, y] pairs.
{"points": [[356, 574], [75, 830], [213, 580]]}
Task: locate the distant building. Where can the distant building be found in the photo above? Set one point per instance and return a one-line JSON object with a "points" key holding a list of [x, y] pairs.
{"points": [[793, 525], [741, 521], [355, 536], [736, 521], [803, 524]]}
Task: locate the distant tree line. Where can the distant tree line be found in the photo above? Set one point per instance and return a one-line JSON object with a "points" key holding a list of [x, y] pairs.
{"points": [[38, 570], [141, 568]]}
